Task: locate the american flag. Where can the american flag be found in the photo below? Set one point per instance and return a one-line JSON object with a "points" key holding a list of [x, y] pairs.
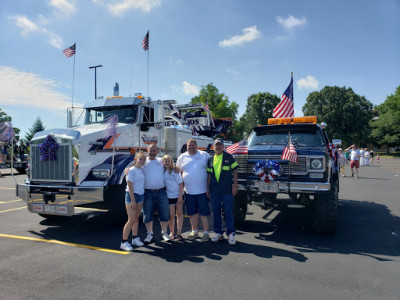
{"points": [[238, 148], [285, 108], [206, 107], [70, 51], [145, 43], [289, 152]]}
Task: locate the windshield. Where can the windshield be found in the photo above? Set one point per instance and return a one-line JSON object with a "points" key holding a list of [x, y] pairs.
{"points": [[268, 136], [126, 114]]}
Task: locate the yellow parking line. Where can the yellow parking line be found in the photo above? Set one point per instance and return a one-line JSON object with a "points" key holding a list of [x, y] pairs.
{"points": [[3, 211], [62, 243], [2, 202], [4, 188]]}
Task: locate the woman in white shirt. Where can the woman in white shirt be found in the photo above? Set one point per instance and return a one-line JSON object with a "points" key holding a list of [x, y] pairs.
{"points": [[134, 198]]}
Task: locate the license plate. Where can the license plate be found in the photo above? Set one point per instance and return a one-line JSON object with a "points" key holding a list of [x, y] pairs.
{"points": [[50, 209], [270, 187]]}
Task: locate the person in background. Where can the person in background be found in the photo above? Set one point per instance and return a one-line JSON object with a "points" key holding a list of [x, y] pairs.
{"points": [[21, 151], [362, 157], [366, 157], [354, 159], [377, 158], [193, 165], [174, 184], [134, 198], [222, 187], [371, 155], [342, 161]]}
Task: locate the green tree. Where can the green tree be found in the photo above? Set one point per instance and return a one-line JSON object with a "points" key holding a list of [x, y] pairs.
{"points": [[36, 127], [219, 104], [386, 127], [346, 113], [259, 109]]}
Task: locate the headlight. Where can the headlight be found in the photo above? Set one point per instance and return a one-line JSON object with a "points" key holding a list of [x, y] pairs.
{"points": [[316, 164], [101, 173]]}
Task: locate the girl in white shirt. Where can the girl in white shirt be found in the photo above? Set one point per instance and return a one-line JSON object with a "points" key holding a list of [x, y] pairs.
{"points": [[174, 184], [134, 198]]}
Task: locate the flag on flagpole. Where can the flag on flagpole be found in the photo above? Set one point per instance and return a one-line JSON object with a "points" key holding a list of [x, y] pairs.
{"points": [[238, 148], [285, 108], [145, 43], [70, 51], [206, 107], [289, 152]]}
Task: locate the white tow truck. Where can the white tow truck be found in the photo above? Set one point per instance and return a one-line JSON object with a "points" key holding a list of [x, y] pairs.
{"points": [[86, 169]]}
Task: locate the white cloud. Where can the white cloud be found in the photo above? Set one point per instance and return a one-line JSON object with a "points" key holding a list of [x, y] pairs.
{"points": [[18, 88], [190, 89], [249, 34], [26, 25], [291, 22], [63, 7], [120, 7], [232, 72], [308, 83]]}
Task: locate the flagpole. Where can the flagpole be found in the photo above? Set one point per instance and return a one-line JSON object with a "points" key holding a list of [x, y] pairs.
{"points": [[148, 70], [73, 87]]}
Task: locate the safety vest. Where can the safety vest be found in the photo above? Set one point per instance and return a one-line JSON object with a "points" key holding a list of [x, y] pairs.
{"points": [[224, 184]]}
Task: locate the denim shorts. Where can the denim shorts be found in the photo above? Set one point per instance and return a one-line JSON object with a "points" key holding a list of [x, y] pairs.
{"points": [[197, 204], [138, 198], [155, 201]]}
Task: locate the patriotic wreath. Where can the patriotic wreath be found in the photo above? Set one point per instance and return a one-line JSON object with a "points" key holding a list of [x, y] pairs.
{"points": [[48, 148], [263, 164]]}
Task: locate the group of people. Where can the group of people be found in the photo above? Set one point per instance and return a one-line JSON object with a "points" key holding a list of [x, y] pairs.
{"points": [[156, 184], [357, 158]]}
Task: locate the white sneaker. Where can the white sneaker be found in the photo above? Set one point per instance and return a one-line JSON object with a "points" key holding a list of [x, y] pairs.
{"points": [[218, 237], [137, 242], [165, 237], [231, 239], [149, 237], [126, 247]]}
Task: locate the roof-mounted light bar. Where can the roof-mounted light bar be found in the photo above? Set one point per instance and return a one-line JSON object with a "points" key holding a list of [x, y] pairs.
{"points": [[294, 120]]}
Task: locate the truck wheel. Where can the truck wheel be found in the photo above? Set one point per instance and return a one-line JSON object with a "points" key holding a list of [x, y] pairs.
{"points": [[325, 210], [114, 198], [240, 208], [50, 217], [21, 170], [269, 200]]}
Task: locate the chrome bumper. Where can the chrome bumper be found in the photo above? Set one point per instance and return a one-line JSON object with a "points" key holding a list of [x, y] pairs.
{"points": [[58, 200], [293, 187]]}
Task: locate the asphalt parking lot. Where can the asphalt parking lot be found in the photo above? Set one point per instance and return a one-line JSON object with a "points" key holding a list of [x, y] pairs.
{"points": [[278, 256]]}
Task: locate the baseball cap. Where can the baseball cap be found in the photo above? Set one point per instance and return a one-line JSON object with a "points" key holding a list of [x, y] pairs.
{"points": [[218, 141]]}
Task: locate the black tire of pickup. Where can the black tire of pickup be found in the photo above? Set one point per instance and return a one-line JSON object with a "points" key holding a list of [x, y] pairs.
{"points": [[21, 170], [325, 210], [240, 208]]}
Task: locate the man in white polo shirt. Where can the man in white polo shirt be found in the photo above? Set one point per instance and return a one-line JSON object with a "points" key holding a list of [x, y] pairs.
{"points": [[193, 165]]}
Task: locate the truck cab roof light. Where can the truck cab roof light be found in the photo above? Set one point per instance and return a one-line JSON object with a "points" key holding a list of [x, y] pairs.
{"points": [[294, 120]]}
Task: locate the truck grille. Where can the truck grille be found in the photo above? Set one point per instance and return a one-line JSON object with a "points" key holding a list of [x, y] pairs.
{"points": [[246, 163], [59, 170]]}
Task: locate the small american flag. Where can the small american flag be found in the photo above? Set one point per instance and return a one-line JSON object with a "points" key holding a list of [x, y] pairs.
{"points": [[70, 51], [238, 148], [206, 107], [289, 152], [145, 43], [285, 108]]}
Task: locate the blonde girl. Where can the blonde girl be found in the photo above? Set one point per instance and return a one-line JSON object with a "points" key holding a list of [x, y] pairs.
{"points": [[134, 197], [174, 184]]}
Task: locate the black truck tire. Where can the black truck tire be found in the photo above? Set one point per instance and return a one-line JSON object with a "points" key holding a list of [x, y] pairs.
{"points": [[325, 210], [240, 208], [21, 170]]}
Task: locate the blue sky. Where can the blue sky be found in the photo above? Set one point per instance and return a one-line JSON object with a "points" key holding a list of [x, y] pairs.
{"points": [[241, 46]]}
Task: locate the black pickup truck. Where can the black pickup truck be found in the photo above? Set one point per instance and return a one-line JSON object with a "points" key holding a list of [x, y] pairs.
{"points": [[312, 181]]}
